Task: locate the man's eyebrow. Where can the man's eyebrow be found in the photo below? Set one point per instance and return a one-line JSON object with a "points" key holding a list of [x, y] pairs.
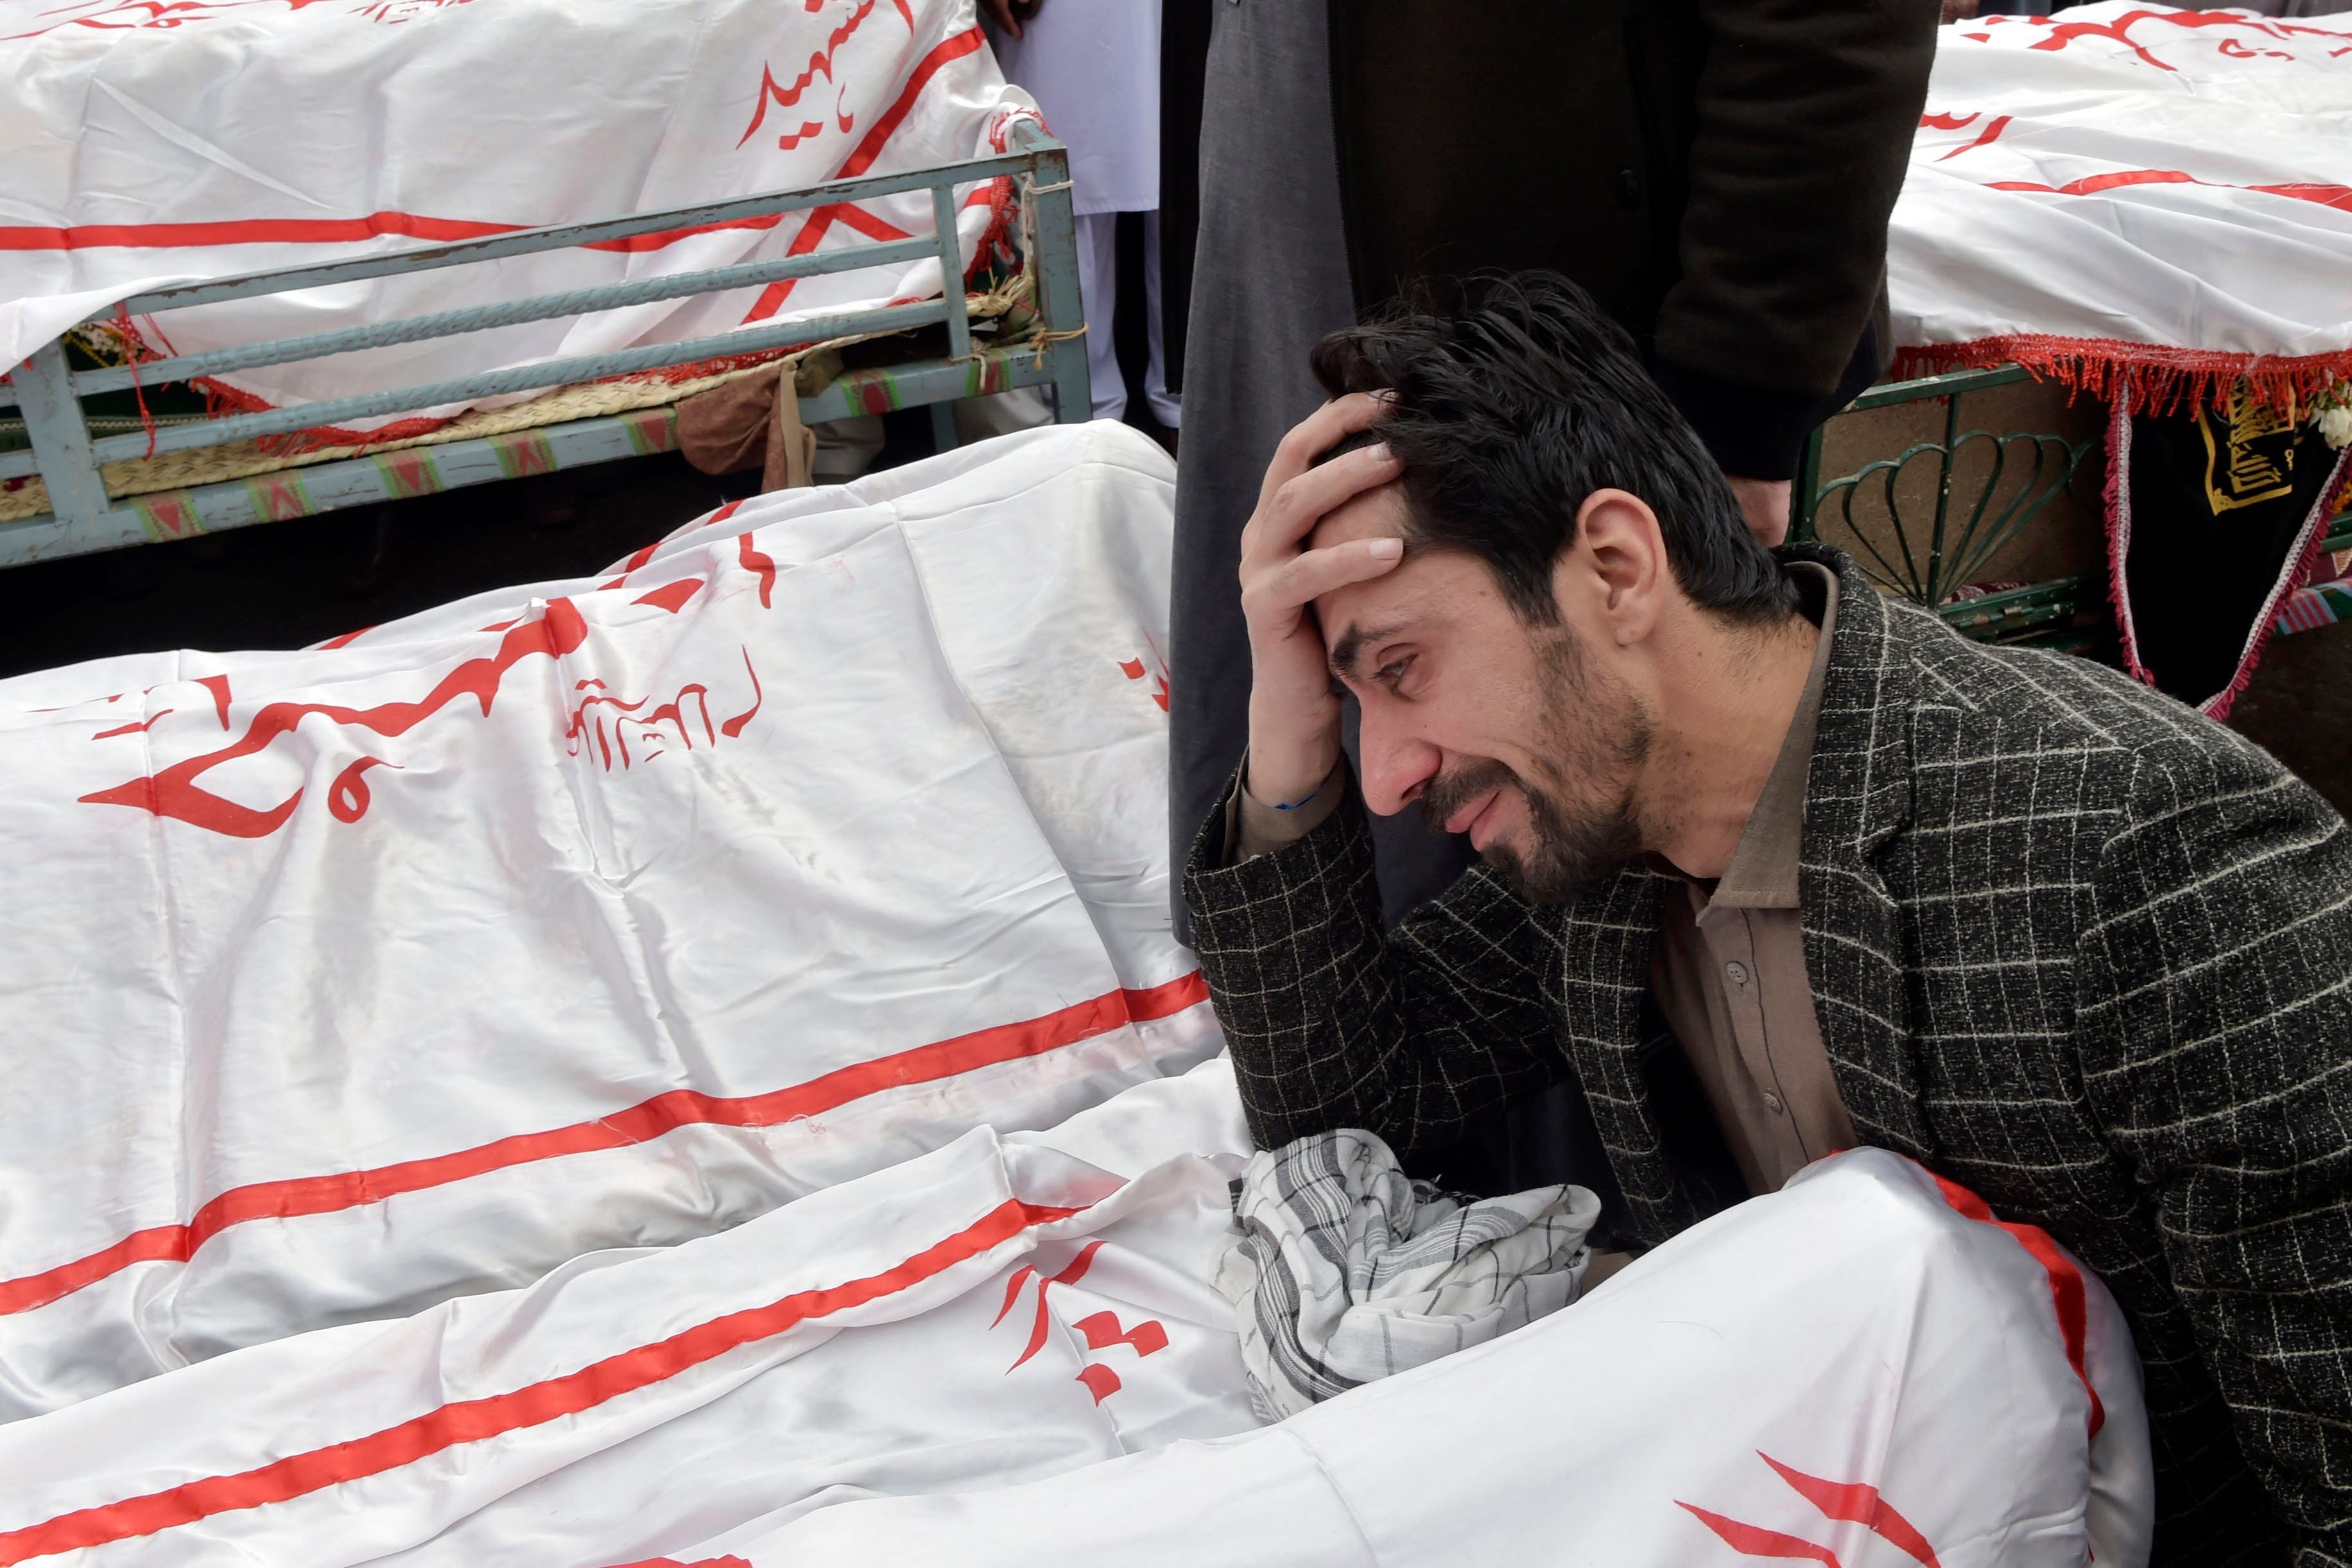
{"points": [[1351, 643]]}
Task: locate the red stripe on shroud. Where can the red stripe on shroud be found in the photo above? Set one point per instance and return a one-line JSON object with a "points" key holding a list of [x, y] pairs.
{"points": [[327, 231], [861, 158], [653, 1118], [248, 231], [2338, 197], [474, 1420], [2067, 1292]]}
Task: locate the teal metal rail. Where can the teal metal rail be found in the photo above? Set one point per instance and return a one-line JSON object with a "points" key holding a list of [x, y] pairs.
{"points": [[68, 448]]}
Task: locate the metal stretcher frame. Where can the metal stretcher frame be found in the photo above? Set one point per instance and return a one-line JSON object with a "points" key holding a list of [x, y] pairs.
{"points": [[1931, 560], [67, 455]]}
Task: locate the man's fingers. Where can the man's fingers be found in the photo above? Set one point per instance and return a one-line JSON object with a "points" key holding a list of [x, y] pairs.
{"points": [[1281, 592], [1317, 433], [1291, 512]]}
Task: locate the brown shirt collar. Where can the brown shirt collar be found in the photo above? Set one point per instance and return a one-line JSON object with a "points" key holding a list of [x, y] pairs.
{"points": [[1763, 870]]}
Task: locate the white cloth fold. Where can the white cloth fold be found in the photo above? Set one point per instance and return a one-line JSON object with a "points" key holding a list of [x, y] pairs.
{"points": [[1348, 1270]]}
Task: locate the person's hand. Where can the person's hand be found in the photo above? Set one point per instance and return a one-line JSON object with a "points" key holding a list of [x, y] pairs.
{"points": [[1294, 715], [1765, 504], [1009, 15]]}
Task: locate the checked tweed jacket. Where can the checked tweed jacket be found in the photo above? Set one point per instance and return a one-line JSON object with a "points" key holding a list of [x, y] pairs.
{"points": [[2072, 945]]}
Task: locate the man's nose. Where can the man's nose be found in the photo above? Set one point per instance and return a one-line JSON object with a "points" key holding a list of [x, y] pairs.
{"points": [[1397, 767]]}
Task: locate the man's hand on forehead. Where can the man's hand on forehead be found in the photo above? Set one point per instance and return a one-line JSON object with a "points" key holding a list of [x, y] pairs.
{"points": [[1293, 716]]}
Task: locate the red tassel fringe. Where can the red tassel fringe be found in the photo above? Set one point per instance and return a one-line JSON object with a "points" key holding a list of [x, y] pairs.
{"points": [[2145, 377]]}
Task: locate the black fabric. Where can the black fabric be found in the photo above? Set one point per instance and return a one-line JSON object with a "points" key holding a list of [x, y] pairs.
{"points": [[2072, 946], [1183, 74], [1130, 327], [1718, 174], [2222, 503], [1505, 135], [1759, 432], [1270, 278]]}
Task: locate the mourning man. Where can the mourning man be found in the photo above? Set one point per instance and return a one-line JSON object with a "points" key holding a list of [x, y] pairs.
{"points": [[1717, 173], [1773, 865]]}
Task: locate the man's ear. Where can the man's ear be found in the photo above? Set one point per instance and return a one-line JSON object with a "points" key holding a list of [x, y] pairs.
{"points": [[1614, 578]]}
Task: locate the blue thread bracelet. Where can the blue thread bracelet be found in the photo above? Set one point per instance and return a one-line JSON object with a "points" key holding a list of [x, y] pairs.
{"points": [[1305, 799]]}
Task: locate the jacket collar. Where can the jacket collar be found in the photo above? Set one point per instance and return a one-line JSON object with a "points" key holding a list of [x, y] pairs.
{"points": [[1857, 798], [1859, 790]]}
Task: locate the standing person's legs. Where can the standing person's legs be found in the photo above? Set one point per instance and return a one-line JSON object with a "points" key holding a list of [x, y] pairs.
{"points": [[1099, 293], [1165, 408], [1270, 276]]}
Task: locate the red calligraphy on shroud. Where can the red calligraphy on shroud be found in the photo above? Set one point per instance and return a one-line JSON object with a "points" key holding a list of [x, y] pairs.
{"points": [[347, 796], [1072, 1272], [820, 64], [175, 792], [139, 728], [1103, 1330], [1099, 1330], [2119, 29], [648, 726], [732, 727], [1851, 1503], [671, 596], [630, 565], [760, 565], [1989, 134], [820, 222], [218, 686], [1133, 669], [1755, 1541], [1859, 1503], [164, 14]]}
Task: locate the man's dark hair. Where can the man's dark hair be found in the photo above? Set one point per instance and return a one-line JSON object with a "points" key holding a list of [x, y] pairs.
{"points": [[1512, 409]]}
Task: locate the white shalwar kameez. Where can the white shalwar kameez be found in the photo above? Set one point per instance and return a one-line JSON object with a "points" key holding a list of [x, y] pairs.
{"points": [[1093, 67]]}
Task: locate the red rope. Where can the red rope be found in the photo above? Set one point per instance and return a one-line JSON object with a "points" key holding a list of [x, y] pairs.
{"points": [[132, 348]]}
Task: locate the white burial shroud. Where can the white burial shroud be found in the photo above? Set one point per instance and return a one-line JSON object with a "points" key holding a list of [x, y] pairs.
{"points": [[586, 914], [149, 143], [1008, 1352], [2134, 198]]}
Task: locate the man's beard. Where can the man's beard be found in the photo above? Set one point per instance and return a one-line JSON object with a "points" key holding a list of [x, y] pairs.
{"points": [[1581, 817]]}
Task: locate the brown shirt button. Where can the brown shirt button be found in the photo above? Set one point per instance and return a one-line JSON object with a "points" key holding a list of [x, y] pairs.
{"points": [[1737, 971]]}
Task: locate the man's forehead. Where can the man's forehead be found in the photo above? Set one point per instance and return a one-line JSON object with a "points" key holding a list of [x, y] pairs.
{"points": [[1376, 513], [1411, 596]]}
